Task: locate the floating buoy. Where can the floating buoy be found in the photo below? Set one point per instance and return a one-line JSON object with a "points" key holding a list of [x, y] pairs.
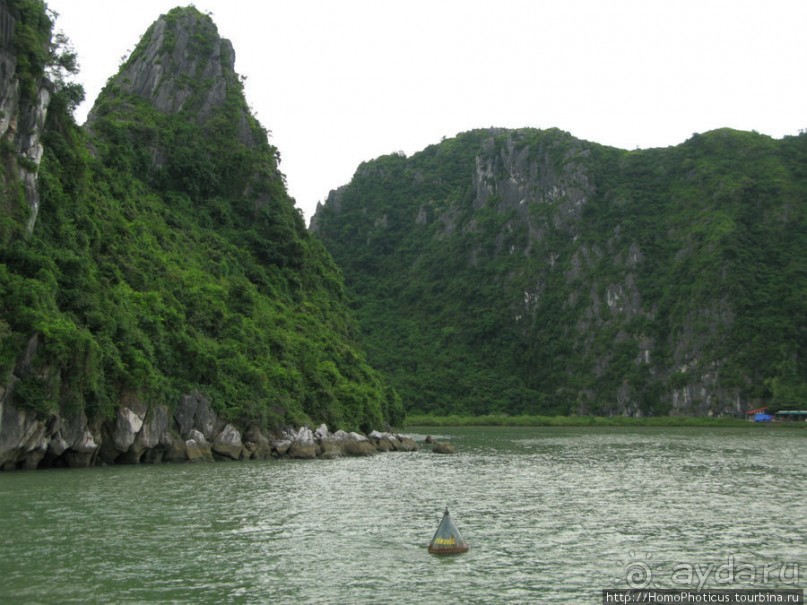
{"points": [[447, 539]]}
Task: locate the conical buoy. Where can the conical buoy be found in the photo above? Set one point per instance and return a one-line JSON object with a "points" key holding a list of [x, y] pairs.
{"points": [[447, 539]]}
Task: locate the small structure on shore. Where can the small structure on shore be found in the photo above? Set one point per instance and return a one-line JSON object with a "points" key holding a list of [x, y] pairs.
{"points": [[759, 415], [798, 415], [447, 539]]}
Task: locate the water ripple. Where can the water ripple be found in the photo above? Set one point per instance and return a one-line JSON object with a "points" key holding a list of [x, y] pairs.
{"points": [[552, 516]]}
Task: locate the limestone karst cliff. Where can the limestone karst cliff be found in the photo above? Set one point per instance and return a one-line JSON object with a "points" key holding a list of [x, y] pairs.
{"points": [[24, 98], [167, 302], [526, 271]]}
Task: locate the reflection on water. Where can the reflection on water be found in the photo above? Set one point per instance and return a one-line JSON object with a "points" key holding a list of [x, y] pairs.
{"points": [[553, 515]]}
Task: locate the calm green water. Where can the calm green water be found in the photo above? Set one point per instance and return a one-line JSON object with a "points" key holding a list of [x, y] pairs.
{"points": [[553, 515]]}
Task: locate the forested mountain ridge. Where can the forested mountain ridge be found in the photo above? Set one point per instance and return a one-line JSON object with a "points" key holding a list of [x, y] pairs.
{"points": [[527, 271], [166, 265]]}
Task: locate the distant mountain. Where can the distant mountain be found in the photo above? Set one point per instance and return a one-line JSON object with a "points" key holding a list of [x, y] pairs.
{"points": [[155, 257], [527, 271]]}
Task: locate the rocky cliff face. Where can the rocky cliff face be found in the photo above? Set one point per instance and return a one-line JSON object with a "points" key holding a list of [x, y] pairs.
{"points": [[182, 65], [22, 118], [169, 304], [191, 432], [174, 48], [531, 272]]}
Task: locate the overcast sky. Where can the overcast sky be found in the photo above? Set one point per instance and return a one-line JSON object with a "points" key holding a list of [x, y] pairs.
{"points": [[341, 82]]}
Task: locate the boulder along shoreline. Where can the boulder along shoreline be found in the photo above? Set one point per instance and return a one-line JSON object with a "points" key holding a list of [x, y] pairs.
{"points": [[150, 434]]}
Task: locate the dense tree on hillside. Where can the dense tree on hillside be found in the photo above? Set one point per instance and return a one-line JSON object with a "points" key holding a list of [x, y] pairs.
{"points": [[168, 258], [526, 271]]}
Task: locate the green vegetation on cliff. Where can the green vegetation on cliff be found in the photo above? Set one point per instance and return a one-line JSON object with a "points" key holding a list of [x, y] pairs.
{"points": [[168, 258], [528, 272]]}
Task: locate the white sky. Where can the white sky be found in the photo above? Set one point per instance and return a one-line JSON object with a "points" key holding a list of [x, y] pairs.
{"points": [[341, 82]]}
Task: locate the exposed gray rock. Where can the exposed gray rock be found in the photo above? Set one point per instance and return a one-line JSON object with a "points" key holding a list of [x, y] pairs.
{"points": [[331, 449], [155, 432], [303, 445], [329, 443], [197, 436], [444, 447], [119, 437], [57, 445], [198, 448], [72, 428], [23, 439], [127, 426], [332, 445], [403, 443], [82, 453], [139, 433], [281, 447], [194, 412], [341, 443], [175, 55], [22, 121], [152, 74], [358, 445], [384, 442], [228, 443], [256, 444], [175, 449]]}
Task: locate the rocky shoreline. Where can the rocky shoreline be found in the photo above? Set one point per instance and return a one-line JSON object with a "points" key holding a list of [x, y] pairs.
{"points": [[192, 432]]}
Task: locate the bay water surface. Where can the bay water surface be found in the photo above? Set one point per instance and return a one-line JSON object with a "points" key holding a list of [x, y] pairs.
{"points": [[553, 515]]}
